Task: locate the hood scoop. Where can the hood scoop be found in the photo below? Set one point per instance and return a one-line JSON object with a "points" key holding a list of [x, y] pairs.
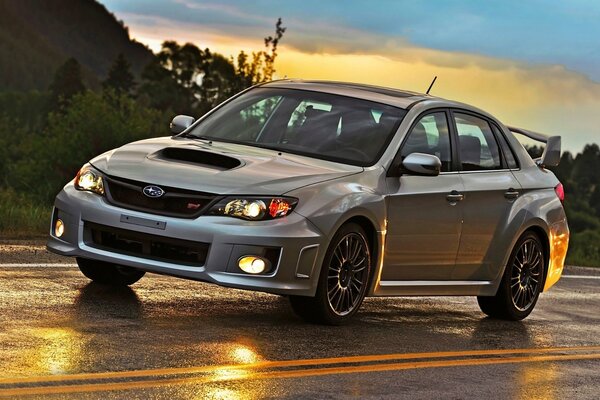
{"points": [[196, 157]]}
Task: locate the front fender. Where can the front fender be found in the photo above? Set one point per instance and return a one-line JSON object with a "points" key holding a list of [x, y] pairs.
{"points": [[328, 205]]}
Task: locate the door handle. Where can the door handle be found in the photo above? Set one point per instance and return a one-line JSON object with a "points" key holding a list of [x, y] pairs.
{"points": [[511, 194], [454, 196]]}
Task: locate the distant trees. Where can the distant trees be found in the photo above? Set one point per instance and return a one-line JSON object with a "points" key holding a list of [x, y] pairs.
{"points": [[581, 179], [67, 83], [92, 124], [51, 134], [187, 79], [120, 78]]}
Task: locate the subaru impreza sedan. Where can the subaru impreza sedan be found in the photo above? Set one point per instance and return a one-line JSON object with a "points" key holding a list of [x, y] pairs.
{"points": [[326, 192]]}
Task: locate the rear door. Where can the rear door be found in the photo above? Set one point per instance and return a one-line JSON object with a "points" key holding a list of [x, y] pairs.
{"points": [[490, 191]]}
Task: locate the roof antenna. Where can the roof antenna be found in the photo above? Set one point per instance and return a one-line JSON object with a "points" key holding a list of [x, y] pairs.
{"points": [[430, 86]]}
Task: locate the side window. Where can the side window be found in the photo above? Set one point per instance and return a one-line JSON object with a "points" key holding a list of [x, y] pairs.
{"points": [[430, 136], [476, 143], [511, 160]]}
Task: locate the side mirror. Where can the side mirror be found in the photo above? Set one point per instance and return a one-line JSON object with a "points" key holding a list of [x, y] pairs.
{"points": [[422, 164], [551, 155], [180, 123]]}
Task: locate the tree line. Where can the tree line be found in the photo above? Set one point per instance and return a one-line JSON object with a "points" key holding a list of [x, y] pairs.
{"points": [[45, 136], [580, 176]]}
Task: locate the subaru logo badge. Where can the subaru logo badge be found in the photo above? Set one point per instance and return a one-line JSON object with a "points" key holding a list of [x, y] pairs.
{"points": [[153, 191]]}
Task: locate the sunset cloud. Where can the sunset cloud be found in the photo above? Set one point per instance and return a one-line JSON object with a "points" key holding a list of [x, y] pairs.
{"points": [[538, 95]]}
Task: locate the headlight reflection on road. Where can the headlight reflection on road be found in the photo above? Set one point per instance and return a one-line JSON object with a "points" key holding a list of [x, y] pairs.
{"points": [[244, 355], [537, 381], [59, 352], [235, 354]]}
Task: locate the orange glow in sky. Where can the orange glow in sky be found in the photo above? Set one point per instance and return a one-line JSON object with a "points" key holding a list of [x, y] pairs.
{"points": [[548, 98]]}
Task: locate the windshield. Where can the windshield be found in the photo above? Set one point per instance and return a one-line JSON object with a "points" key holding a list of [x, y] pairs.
{"points": [[320, 125]]}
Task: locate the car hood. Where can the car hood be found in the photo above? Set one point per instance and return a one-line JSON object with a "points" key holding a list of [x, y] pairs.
{"points": [[216, 167]]}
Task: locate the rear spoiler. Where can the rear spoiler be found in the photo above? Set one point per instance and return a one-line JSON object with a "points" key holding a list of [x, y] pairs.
{"points": [[551, 155]]}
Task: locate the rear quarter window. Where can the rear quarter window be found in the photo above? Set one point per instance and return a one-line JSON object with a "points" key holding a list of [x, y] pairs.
{"points": [[509, 155]]}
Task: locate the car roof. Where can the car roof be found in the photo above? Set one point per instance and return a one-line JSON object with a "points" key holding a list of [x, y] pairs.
{"points": [[394, 97]]}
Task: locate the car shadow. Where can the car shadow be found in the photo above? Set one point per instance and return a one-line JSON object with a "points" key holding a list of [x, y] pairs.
{"points": [[95, 302]]}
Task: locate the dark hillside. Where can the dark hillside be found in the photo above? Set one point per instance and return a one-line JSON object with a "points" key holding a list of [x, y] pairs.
{"points": [[38, 36]]}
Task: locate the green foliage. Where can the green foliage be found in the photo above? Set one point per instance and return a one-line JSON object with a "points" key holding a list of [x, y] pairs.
{"points": [[161, 91], [91, 125], [586, 169], [584, 248], [20, 217], [186, 79], [120, 78], [27, 110], [580, 176]]}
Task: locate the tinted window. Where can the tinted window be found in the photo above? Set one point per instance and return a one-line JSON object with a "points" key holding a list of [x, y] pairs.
{"points": [[430, 135], [477, 146], [319, 125], [511, 161]]}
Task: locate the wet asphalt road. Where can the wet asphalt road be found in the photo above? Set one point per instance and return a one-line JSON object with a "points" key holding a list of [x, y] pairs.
{"points": [[171, 338]]}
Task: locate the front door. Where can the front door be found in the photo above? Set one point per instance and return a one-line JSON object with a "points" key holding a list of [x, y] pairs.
{"points": [[424, 212]]}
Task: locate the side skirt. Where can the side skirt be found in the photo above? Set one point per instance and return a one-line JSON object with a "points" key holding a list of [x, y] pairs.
{"points": [[435, 288]]}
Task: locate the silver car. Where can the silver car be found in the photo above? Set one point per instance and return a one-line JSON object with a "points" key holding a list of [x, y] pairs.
{"points": [[326, 192]]}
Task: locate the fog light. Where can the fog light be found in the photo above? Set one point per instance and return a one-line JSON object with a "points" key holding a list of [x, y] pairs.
{"points": [[59, 228], [252, 264]]}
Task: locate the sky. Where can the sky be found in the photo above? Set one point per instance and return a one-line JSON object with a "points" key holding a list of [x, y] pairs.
{"points": [[533, 64]]}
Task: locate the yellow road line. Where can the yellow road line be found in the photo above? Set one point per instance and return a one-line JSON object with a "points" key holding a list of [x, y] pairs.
{"points": [[142, 373], [97, 387]]}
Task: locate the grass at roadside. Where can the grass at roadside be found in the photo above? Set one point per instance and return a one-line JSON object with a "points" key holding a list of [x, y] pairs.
{"points": [[584, 249], [21, 218]]}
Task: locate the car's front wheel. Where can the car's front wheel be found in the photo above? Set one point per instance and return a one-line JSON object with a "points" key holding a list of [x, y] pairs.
{"points": [[343, 280], [521, 284], [109, 274]]}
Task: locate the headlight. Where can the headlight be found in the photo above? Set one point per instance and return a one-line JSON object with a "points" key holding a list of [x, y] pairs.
{"points": [[254, 208], [90, 180]]}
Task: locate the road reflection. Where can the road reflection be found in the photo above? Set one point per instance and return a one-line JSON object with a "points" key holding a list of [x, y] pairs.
{"points": [[163, 326], [533, 381], [59, 350], [537, 381]]}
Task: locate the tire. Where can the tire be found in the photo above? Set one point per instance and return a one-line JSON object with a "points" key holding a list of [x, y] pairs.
{"points": [[343, 279], [109, 274], [521, 283]]}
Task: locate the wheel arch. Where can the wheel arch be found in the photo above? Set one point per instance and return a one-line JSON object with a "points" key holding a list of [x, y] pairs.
{"points": [[541, 230], [542, 234], [374, 239]]}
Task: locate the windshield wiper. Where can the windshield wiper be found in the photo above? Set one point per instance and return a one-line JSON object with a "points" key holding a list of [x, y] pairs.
{"points": [[190, 136], [252, 144]]}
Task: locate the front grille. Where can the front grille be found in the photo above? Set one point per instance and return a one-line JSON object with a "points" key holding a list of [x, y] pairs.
{"points": [[174, 203], [145, 245]]}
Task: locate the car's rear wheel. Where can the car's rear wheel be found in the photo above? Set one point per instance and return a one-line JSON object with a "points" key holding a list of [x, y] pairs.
{"points": [[109, 274], [522, 281], [343, 279]]}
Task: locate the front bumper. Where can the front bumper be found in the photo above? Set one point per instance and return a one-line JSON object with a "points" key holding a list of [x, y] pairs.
{"points": [[302, 245]]}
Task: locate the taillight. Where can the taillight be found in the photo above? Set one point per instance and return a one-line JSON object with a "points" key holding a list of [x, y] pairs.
{"points": [[560, 192]]}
